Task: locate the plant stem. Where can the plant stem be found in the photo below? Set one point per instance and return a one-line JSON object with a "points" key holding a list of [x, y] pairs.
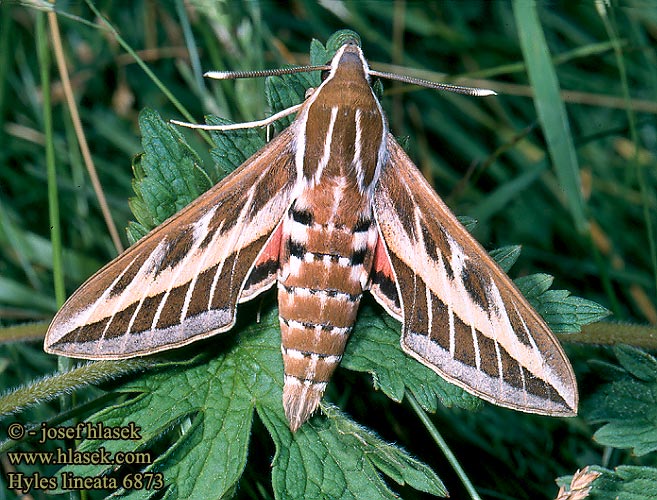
{"points": [[440, 441]]}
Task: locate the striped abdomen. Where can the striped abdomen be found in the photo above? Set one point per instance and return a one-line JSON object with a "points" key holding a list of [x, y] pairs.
{"points": [[327, 244]]}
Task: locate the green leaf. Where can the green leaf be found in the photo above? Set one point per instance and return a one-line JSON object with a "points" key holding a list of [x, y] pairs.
{"points": [[173, 176], [566, 313], [338, 39], [626, 482], [285, 91], [136, 231], [318, 53], [468, 222], [506, 256], [628, 404], [563, 313], [168, 176], [534, 285], [232, 147], [345, 448]]}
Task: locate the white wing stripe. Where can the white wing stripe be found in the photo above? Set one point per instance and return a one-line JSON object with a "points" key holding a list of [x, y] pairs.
{"points": [[452, 330], [200, 231], [500, 369], [475, 342]]}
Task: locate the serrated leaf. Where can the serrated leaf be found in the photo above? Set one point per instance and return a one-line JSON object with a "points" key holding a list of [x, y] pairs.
{"points": [[232, 147], [605, 371], [218, 397], [626, 482], [135, 232], [210, 408], [628, 404], [468, 222], [566, 313], [638, 363], [285, 91], [141, 212], [346, 448], [563, 312], [506, 256], [172, 176], [339, 38], [375, 349], [534, 285], [318, 53]]}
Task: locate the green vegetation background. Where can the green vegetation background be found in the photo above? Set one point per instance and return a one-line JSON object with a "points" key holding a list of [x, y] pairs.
{"points": [[579, 196]]}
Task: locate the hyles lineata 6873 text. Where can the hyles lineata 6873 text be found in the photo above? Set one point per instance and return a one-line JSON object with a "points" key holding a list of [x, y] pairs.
{"points": [[329, 209]]}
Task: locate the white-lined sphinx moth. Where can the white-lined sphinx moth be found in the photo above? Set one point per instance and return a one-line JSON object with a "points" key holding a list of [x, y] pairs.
{"points": [[330, 208]]}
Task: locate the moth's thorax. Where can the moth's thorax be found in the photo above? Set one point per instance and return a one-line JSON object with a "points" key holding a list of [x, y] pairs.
{"points": [[343, 126]]}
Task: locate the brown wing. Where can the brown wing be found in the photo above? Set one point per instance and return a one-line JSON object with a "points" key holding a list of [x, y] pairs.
{"points": [[462, 316], [183, 280]]}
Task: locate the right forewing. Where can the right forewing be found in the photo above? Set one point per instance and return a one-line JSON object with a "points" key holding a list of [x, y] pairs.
{"points": [[462, 316]]}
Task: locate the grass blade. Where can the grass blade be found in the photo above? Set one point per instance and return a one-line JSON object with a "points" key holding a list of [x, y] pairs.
{"points": [[550, 108]]}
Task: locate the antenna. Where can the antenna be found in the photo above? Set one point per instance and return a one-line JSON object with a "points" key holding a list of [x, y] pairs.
{"points": [[459, 89], [231, 75]]}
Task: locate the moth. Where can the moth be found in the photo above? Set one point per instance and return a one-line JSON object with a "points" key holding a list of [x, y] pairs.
{"points": [[330, 208]]}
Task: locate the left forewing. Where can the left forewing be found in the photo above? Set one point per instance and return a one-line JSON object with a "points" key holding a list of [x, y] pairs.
{"points": [[462, 316], [183, 280]]}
